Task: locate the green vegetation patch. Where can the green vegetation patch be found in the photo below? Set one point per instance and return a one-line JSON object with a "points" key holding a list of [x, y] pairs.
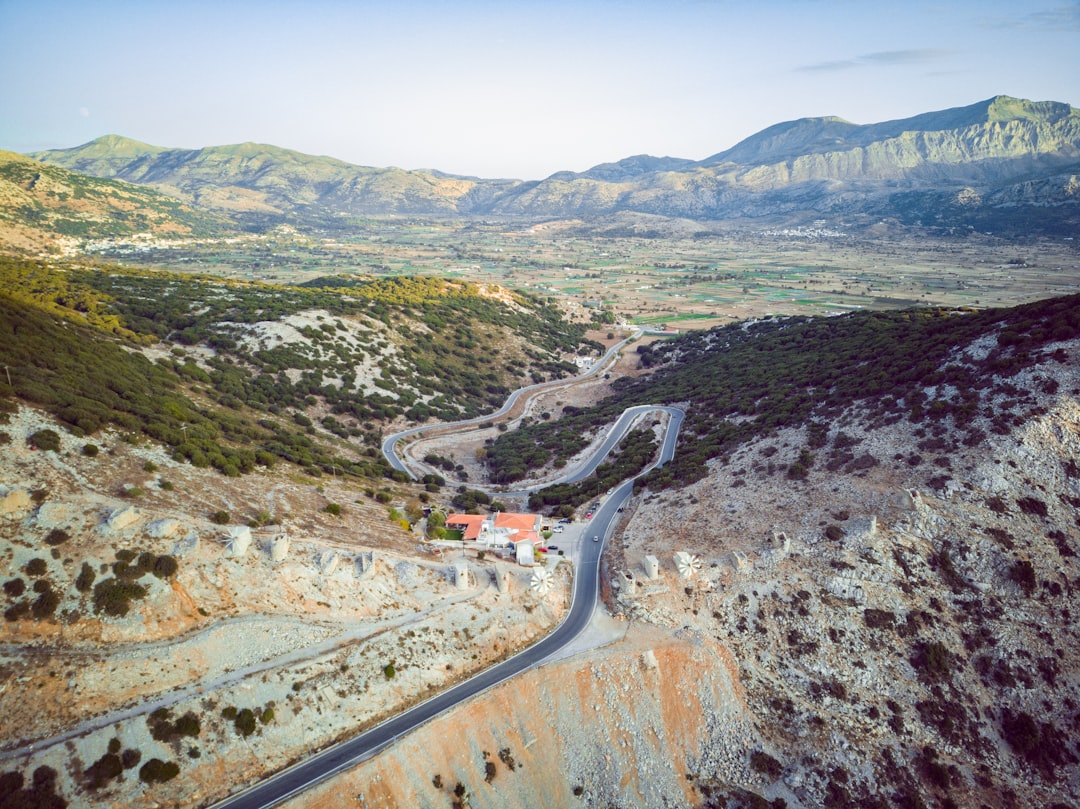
{"points": [[440, 347], [746, 380]]}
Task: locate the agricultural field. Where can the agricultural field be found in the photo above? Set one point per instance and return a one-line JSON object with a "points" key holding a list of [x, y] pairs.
{"points": [[689, 281]]}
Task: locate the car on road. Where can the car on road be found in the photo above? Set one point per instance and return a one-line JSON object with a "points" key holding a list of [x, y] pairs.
{"points": [[595, 538]]}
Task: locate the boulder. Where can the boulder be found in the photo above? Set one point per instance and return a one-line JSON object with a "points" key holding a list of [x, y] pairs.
{"points": [[159, 529], [14, 501]]}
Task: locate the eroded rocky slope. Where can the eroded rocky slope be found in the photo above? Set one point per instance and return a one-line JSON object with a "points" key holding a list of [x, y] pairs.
{"points": [[894, 630]]}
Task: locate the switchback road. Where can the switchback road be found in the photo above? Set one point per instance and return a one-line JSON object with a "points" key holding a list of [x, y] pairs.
{"points": [[336, 759]]}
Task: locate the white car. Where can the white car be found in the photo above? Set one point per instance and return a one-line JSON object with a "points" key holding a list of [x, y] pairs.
{"points": [[556, 529], [595, 538]]}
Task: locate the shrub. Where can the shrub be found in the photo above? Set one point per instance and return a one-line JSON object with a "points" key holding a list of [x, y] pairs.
{"points": [[113, 597], [145, 562], [765, 764], [834, 532], [188, 725], [389, 671], [45, 605], [1032, 505], [932, 661], [36, 567], [876, 619], [1023, 574], [158, 771], [85, 580], [507, 758], [17, 611], [332, 508], [102, 771], [40, 794], [14, 587], [245, 722], [165, 566], [130, 757], [220, 517], [45, 440], [57, 536], [90, 450]]}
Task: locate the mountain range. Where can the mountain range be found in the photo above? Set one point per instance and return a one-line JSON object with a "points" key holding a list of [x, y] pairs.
{"points": [[1003, 164]]}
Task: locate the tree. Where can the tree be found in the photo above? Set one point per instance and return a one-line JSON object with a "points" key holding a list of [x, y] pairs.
{"points": [[436, 520]]}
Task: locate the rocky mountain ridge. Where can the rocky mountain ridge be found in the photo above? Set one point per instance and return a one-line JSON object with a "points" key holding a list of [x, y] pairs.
{"points": [[806, 168]]}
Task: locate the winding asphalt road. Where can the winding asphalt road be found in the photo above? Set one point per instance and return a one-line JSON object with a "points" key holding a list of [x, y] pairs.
{"points": [[391, 440], [330, 762]]}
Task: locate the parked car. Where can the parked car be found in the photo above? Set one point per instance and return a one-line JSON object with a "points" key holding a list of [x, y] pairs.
{"points": [[557, 529], [566, 521], [543, 550], [553, 547]]}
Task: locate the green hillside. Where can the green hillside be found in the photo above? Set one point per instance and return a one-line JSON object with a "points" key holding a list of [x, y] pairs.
{"points": [[41, 204], [248, 373], [751, 379]]}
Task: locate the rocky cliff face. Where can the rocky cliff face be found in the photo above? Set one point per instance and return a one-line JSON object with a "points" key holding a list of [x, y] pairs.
{"points": [[896, 630]]}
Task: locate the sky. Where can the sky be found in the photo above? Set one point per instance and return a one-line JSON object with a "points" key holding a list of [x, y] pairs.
{"points": [[508, 88]]}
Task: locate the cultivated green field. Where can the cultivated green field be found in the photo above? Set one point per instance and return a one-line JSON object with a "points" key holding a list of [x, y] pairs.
{"points": [[686, 282]]}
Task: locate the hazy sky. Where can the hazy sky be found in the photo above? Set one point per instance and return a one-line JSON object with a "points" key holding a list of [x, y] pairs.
{"points": [[508, 89]]}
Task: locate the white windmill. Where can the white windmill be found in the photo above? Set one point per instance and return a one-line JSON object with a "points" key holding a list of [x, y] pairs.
{"points": [[541, 581], [687, 564]]}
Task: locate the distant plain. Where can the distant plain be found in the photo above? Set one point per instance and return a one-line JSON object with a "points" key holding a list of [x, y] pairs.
{"points": [[682, 281]]}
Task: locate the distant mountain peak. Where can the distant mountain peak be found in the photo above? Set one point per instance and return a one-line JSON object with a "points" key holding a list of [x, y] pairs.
{"points": [[1007, 108], [116, 146], [833, 134]]}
